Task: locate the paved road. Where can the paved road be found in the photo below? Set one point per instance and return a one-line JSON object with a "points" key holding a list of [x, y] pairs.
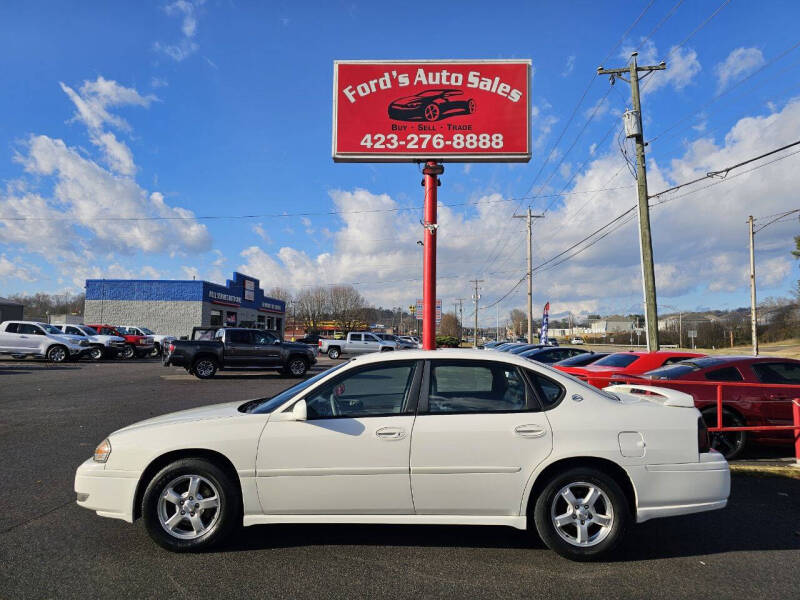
{"points": [[51, 417]]}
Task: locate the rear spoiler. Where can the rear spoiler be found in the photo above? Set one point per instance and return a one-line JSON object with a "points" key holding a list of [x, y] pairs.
{"points": [[663, 396]]}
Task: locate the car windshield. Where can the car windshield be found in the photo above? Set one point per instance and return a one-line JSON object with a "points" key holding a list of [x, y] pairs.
{"points": [[580, 359], [146, 331], [267, 405], [86, 329], [617, 360], [674, 371], [50, 329]]}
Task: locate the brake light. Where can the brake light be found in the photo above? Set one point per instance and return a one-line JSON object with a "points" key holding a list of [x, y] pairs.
{"points": [[703, 443], [172, 348], [319, 343]]}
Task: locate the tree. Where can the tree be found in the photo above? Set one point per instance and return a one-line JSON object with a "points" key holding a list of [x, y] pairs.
{"points": [[449, 325], [39, 305], [280, 293], [313, 307], [346, 305], [519, 320]]}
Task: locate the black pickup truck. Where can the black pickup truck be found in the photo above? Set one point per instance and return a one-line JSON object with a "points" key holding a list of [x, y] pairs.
{"points": [[235, 347]]}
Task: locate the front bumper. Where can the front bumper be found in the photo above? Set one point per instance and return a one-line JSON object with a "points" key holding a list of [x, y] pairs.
{"points": [[680, 489], [109, 493]]}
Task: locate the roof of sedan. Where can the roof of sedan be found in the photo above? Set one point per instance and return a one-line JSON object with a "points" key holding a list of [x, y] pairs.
{"points": [[459, 353]]}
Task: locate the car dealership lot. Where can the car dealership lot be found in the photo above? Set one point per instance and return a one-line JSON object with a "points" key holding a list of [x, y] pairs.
{"points": [[52, 416]]}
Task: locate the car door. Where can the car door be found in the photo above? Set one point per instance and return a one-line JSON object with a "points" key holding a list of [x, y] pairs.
{"points": [[9, 338], [777, 399], [351, 454], [355, 344], [267, 349], [239, 347], [29, 337], [371, 343], [478, 436]]}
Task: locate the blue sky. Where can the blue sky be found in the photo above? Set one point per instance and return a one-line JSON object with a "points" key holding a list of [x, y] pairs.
{"points": [[224, 109]]}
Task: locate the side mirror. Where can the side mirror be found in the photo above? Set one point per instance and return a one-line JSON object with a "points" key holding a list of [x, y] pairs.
{"points": [[300, 411]]}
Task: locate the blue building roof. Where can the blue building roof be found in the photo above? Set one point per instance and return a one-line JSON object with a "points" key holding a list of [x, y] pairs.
{"points": [[241, 291]]}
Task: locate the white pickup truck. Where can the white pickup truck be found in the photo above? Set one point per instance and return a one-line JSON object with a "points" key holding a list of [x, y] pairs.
{"points": [[359, 342]]}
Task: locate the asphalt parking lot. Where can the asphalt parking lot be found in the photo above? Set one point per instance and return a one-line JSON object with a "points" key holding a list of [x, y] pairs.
{"points": [[52, 416]]}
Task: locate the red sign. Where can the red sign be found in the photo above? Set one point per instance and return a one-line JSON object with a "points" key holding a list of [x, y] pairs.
{"points": [[448, 110]]}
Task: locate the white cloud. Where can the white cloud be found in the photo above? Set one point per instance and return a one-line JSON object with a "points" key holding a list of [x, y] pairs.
{"points": [[259, 230], [185, 46], [158, 82], [569, 67], [91, 213], [740, 62], [17, 269], [541, 123], [598, 109], [682, 66], [699, 242]]}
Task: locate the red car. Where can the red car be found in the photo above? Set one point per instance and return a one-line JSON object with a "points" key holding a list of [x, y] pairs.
{"points": [[628, 363], [769, 403], [135, 345]]}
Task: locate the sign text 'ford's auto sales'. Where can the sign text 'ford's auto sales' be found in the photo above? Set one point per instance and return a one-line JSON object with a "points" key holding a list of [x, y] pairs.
{"points": [[455, 111]]}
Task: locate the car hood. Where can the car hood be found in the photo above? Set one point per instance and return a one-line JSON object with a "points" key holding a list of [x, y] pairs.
{"points": [[105, 338], [67, 338], [202, 413]]}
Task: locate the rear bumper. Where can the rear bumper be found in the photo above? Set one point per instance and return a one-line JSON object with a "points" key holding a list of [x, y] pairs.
{"points": [[108, 493], [680, 489]]}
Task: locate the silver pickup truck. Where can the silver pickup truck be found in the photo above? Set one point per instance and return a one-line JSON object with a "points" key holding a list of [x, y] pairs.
{"points": [[359, 342]]}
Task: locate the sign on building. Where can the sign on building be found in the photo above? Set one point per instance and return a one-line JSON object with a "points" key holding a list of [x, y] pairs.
{"points": [[445, 110]]}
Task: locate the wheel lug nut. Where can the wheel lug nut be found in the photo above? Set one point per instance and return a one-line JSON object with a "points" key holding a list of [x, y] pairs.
{"points": [[574, 516], [197, 506], [191, 514], [585, 506], [190, 498], [183, 512], [582, 522]]}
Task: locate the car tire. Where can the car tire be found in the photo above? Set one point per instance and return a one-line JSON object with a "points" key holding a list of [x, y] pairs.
{"points": [[57, 354], [128, 352], [97, 353], [156, 351], [297, 366], [205, 368], [730, 444], [168, 495], [333, 353], [432, 112], [559, 523]]}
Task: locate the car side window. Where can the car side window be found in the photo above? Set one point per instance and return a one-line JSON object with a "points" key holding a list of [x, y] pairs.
{"points": [[672, 359], [28, 329], [550, 392], [371, 391], [73, 331], [725, 374], [262, 338], [355, 337], [475, 387], [239, 337], [12, 328], [778, 372]]}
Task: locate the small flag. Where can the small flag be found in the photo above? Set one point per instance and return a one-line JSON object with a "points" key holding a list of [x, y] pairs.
{"points": [[545, 323]]}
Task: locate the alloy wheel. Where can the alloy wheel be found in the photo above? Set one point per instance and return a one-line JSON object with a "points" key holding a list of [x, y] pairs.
{"points": [[582, 514], [189, 507], [204, 368], [297, 367], [57, 354]]}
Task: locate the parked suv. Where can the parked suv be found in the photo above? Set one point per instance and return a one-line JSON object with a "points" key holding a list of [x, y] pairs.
{"points": [[135, 345], [32, 338], [102, 346]]}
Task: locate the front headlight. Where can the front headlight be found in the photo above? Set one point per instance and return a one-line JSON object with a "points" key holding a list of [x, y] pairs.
{"points": [[103, 451]]}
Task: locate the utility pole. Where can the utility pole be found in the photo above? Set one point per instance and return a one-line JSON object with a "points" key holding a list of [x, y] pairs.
{"points": [[460, 319], [753, 319], [634, 128], [476, 296], [530, 216]]}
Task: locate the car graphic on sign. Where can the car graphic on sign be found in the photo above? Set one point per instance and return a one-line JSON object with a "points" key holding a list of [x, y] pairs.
{"points": [[431, 105]]}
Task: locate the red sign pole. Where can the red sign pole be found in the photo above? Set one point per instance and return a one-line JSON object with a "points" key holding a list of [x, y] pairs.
{"points": [[431, 171]]}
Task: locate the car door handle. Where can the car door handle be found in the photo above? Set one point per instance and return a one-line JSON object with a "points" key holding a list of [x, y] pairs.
{"points": [[529, 431], [390, 433]]}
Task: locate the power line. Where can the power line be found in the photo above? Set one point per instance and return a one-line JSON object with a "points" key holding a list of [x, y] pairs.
{"points": [[777, 219]]}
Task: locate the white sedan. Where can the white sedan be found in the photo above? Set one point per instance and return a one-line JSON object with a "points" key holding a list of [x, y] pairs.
{"points": [[446, 437]]}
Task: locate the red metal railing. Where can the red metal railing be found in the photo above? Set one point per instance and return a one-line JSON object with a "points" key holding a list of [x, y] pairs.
{"points": [[601, 382]]}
